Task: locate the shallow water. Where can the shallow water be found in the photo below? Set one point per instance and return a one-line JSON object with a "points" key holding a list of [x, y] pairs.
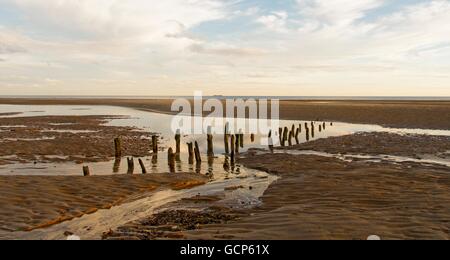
{"points": [[161, 124]]}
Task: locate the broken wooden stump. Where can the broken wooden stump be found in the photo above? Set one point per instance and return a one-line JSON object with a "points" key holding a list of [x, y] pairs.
{"points": [[130, 163], [241, 139], [86, 171], [118, 147], [233, 144], [191, 153], [141, 163], [155, 144], [210, 137], [252, 138], [198, 157], [226, 137], [270, 141], [297, 133], [171, 159], [280, 134], [285, 136]]}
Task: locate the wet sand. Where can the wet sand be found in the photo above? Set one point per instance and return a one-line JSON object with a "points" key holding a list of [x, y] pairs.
{"points": [[32, 202], [321, 197], [408, 145], [397, 114], [78, 139], [325, 198]]}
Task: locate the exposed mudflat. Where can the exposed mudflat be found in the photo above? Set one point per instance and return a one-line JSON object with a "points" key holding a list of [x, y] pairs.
{"points": [[409, 145], [67, 139]]}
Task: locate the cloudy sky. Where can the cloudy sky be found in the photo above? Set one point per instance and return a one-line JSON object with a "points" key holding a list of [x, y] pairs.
{"points": [[229, 47]]}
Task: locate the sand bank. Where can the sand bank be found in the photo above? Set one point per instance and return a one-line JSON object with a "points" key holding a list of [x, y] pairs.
{"points": [[31, 202], [397, 114]]}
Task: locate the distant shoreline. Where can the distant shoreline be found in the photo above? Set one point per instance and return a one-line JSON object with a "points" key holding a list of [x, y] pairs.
{"points": [[424, 114], [290, 98]]}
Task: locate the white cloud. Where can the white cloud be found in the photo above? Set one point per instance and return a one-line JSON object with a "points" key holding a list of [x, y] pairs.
{"points": [[110, 19], [276, 21], [336, 12]]}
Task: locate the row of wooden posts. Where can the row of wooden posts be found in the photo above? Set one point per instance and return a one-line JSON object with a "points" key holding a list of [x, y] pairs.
{"points": [[232, 142]]}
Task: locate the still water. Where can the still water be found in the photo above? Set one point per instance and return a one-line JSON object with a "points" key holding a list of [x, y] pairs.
{"points": [[161, 124]]}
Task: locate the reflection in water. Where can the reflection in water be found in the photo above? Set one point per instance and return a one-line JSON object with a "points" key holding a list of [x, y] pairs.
{"points": [[116, 167], [160, 125]]}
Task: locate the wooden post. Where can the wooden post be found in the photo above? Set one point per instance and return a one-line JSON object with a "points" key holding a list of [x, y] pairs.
{"points": [[233, 144], [130, 162], [300, 127], [280, 133], [291, 135], [324, 126], [241, 139], [270, 140], [293, 129], [226, 136], [178, 142], [86, 171], [155, 144], [191, 153], [312, 132], [296, 136], [144, 170], [198, 157], [285, 136], [307, 134], [320, 128], [118, 147], [210, 138], [252, 138], [171, 160], [331, 124], [237, 143]]}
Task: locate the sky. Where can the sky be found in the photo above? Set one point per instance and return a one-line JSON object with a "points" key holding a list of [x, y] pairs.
{"points": [[225, 47]]}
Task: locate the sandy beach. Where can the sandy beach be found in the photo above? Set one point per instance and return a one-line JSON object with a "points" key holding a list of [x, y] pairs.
{"points": [[408, 114], [325, 198], [34, 202], [349, 186]]}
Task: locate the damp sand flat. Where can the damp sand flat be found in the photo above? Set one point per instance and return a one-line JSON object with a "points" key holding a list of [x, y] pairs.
{"points": [[410, 114], [30, 202], [326, 198]]}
